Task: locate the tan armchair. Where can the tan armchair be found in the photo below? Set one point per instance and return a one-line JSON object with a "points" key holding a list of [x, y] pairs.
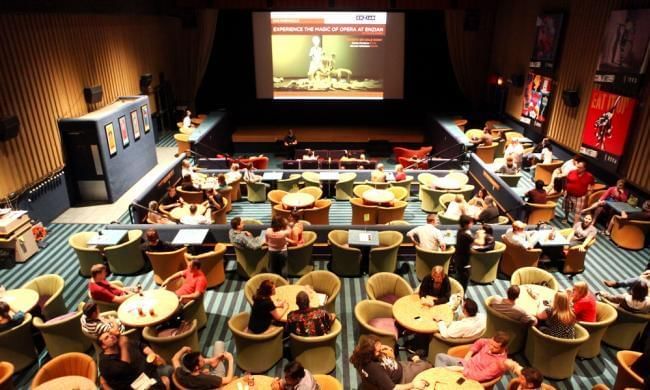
{"points": [[625, 377], [226, 193], [219, 216], [182, 143], [485, 265], [323, 282], [165, 264], [629, 234], [401, 193], [316, 192], [49, 285], [255, 353], [346, 261], [316, 353], [384, 257], [367, 310], [17, 345], [167, 346], [68, 364], [126, 258], [275, 197], [515, 256], [544, 172], [252, 284], [486, 153], [87, 255], [299, 257], [360, 210], [392, 213], [425, 179], [212, 264], [497, 321], [425, 260], [387, 287], [63, 336], [311, 179], [554, 357], [575, 258], [320, 213], [626, 328], [358, 190], [534, 275], [344, 186], [605, 316], [195, 197], [430, 199], [251, 262], [540, 213]]}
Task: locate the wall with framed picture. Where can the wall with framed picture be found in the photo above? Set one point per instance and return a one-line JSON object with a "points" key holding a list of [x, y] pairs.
{"points": [[107, 151]]}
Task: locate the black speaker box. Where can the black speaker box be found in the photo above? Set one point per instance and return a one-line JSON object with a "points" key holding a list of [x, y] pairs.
{"points": [[93, 94], [9, 128], [570, 98], [145, 82]]}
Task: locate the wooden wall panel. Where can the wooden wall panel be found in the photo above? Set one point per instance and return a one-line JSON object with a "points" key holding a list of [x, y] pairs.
{"points": [[47, 60], [583, 31]]}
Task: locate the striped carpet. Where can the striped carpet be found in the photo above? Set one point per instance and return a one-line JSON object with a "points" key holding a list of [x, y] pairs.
{"points": [[604, 260]]}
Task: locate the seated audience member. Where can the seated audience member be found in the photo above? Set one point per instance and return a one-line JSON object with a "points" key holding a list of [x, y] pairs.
{"points": [[93, 325], [471, 324], [264, 311], [537, 153], [379, 369], [456, 207], [584, 302], [634, 301], [558, 177], [309, 321], [194, 218], [378, 175], [187, 122], [484, 240], [101, 289], [478, 199], [578, 186], [486, 360], [250, 177], [629, 282], [427, 236], [213, 200], [490, 211], [241, 237], [310, 155], [194, 371], [509, 308], [171, 200], [154, 215], [517, 235], [9, 318], [529, 378], [509, 168], [436, 286], [121, 362], [583, 233], [153, 243], [515, 150], [617, 193], [278, 238], [558, 319], [297, 228], [221, 182], [485, 139], [399, 173], [194, 282], [346, 156], [188, 185], [643, 215], [296, 377], [187, 168], [538, 194], [234, 174]]}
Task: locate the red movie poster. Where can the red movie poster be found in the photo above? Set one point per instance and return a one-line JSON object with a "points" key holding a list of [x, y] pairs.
{"points": [[606, 126]]}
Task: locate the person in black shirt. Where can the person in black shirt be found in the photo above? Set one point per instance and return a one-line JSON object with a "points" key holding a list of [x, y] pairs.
{"points": [[490, 213], [264, 310], [464, 242], [171, 200], [436, 285], [194, 371], [187, 184], [121, 362], [155, 244], [214, 200], [290, 143]]}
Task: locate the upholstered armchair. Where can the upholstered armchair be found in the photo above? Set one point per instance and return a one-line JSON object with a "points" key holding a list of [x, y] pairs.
{"points": [[167, 346], [212, 264], [255, 353], [387, 287], [384, 257], [485, 265], [316, 353], [165, 264], [87, 255], [300, 260], [126, 258], [69, 364], [252, 284], [426, 259], [251, 262], [49, 285]]}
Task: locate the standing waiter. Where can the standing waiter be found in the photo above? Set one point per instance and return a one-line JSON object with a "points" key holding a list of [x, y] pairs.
{"points": [[290, 143], [464, 240]]}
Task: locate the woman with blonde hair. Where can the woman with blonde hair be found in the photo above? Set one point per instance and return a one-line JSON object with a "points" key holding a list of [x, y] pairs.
{"points": [[559, 319], [456, 208], [584, 303]]}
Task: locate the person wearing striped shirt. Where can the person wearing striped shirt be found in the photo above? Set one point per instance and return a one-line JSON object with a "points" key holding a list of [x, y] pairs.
{"points": [[93, 325]]}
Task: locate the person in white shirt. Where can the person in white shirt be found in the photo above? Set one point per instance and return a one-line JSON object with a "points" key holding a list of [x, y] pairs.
{"points": [[456, 208], [427, 236], [561, 173], [378, 175], [547, 154], [187, 169], [194, 218], [310, 155], [187, 121], [517, 234], [472, 324], [516, 150]]}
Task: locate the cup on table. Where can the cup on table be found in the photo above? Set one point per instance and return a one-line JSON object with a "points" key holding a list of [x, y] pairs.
{"points": [[219, 347]]}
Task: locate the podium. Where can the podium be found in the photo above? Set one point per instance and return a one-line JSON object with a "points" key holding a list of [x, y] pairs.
{"points": [[16, 235]]}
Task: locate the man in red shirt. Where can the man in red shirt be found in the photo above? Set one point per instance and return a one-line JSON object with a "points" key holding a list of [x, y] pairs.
{"points": [[578, 187], [102, 290], [194, 282]]}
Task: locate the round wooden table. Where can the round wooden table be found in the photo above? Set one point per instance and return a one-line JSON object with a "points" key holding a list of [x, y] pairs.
{"points": [[179, 212], [67, 383], [232, 177], [419, 318], [376, 196], [298, 200], [261, 382], [530, 304], [163, 302], [20, 299], [288, 293], [446, 183], [441, 378]]}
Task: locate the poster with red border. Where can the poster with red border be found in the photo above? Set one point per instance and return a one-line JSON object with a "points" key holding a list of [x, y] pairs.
{"points": [[606, 127]]}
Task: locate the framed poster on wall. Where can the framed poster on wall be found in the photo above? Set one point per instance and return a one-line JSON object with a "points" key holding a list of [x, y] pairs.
{"points": [[145, 118], [536, 100], [123, 131], [135, 124], [606, 127], [110, 138], [547, 39]]}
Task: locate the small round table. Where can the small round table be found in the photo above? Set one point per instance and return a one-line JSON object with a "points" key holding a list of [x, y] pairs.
{"points": [[179, 212], [376, 196], [20, 299], [419, 318], [446, 379], [530, 304], [67, 383], [446, 183], [288, 293], [261, 382], [163, 302], [298, 200]]}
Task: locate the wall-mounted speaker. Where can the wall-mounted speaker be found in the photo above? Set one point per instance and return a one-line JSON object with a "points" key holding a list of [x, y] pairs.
{"points": [[9, 128], [571, 98], [93, 94], [145, 82]]}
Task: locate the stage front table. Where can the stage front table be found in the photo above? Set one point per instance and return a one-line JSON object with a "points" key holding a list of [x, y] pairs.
{"points": [[531, 297], [163, 302], [442, 378], [288, 293], [20, 299], [419, 318]]}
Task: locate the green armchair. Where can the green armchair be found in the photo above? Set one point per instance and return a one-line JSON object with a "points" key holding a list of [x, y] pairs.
{"points": [[300, 261], [406, 184], [255, 353], [499, 322], [256, 192], [625, 329], [316, 353], [384, 257], [291, 184], [17, 345], [485, 265], [425, 260], [605, 316], [534, 275], [252, 284], [554, 357], [431, 199], [344, 186], [49, 285], [311, 179], [126, 258], [64, 335], [367, 310], [323, 282], [387, 287], [251, 262], [167, 346], [87, 255], [345, 261]]}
